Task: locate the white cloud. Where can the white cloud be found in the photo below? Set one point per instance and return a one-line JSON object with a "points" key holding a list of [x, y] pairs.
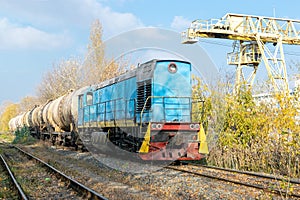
{"points": [[14, 36], [180, 23], [70, 14], [115, 22]]}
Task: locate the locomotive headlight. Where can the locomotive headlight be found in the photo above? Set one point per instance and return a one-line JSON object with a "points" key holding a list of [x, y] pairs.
{"points": [[197, 126], [172, 68], [192, 126], [159, 126], [153, 126], [156, 126]]}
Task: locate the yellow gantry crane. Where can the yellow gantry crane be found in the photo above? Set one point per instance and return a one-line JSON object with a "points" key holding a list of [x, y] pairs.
{"points": [[251, 34]]}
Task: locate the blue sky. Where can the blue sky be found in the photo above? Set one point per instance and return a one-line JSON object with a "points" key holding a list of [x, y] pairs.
{"points": [[34, 34]]}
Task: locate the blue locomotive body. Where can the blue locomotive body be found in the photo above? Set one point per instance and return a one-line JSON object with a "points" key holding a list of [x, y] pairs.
{"points": [[143, 111]]}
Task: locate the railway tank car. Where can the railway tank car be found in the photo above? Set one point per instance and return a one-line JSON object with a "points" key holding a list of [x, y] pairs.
{"points": [[57, 119], [147, 111]]}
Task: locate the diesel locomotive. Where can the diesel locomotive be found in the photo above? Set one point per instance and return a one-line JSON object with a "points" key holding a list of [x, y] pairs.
{"points": [[147, 111]]}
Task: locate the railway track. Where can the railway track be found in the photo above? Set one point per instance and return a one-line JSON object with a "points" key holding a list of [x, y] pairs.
{"points": [[41, 180], [277, 185], [271, 177], [10, 188]]}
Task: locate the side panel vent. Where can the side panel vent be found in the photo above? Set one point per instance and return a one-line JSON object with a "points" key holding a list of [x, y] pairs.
{"points": [[144, 90]]}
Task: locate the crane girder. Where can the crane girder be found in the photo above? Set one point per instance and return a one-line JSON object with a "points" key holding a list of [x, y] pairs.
{"points": [[253, 32], [245, 28]]}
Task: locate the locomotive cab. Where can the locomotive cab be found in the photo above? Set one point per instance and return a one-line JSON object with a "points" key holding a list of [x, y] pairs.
{"points": [[165, 111], [164, 92]]}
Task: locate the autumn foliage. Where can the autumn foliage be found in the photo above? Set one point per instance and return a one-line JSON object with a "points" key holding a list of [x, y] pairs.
{"points": [[10, 111], [70, 74], [243, 132], [256, 135]]}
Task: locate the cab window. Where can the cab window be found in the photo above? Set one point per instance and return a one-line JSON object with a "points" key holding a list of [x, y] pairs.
{"points": [[89, 99], [81, 101]]}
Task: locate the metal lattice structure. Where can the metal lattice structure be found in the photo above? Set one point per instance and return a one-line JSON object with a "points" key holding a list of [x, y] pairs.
{"points": [[252, 34]]}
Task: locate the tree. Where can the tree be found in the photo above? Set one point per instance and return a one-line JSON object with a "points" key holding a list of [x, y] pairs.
{"points": [[258, 135], [10, 111], [27, 103], [94, 61], [62, 77], [96, 68], [249, 133]]}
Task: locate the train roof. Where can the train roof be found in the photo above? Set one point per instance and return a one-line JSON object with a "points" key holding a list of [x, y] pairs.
{"points": [[133, 72]]}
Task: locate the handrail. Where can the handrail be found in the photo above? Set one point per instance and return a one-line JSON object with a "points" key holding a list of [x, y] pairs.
{"points": [[112, 110], [163, 97], [190, 99], [198, 100]]}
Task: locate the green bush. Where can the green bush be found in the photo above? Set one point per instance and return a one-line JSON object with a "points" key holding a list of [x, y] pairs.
{"points": [[23, 136], [258, 137]]}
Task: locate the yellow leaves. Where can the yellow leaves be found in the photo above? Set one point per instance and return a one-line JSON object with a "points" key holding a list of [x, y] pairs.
{"points": [[258, 136], [96, 68], [247, 120], [74, 73], [10, 111]]}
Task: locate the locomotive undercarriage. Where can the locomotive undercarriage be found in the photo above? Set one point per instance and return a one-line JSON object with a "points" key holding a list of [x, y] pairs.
{"points": [[163, 145], [113, 137]]}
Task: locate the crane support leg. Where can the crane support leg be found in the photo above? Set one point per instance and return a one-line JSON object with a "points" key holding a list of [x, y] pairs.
{"points": [[275, 65]]}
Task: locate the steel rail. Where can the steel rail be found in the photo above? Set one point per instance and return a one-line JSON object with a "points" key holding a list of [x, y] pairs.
{"points": [[251, 174], [21, 193], [89, 193], [235, 182]]}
